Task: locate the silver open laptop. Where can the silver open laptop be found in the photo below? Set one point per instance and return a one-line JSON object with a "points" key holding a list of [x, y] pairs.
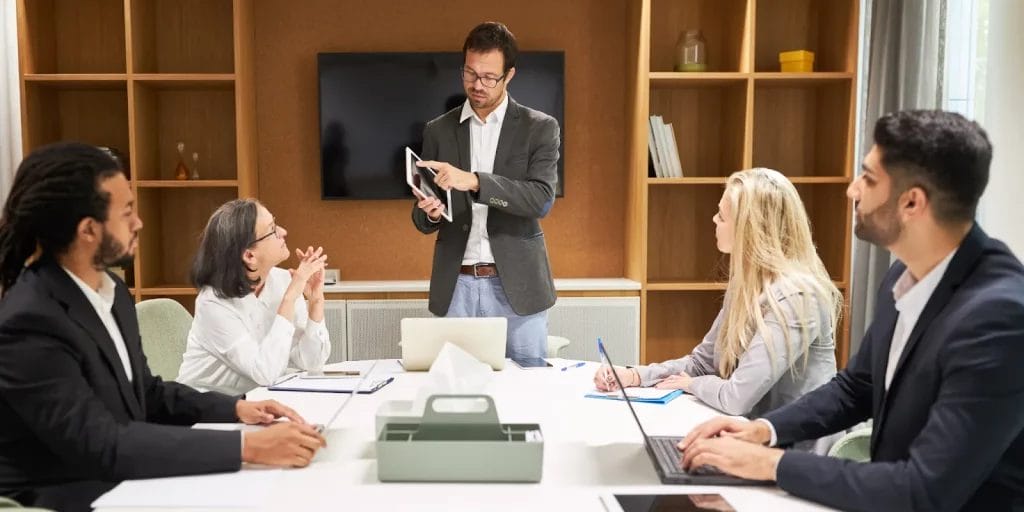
{"points": [[483, 338]]}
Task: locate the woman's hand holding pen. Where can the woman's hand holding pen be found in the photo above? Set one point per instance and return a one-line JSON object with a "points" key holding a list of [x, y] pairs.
{"points": [[605, 381]]}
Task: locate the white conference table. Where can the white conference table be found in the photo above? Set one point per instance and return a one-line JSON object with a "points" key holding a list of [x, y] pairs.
{"points": [[592, 449]]}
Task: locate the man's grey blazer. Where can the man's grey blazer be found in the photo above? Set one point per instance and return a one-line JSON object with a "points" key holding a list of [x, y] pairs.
{"points": [[520, 191]]}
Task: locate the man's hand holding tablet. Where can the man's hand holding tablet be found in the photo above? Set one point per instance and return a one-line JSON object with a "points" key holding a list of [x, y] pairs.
{"points": [[434, 200]]}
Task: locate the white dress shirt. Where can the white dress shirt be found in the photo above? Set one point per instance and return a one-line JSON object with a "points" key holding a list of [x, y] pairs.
{"points": [[236, 345], [911, 296], [483, 145], [102, 301]]}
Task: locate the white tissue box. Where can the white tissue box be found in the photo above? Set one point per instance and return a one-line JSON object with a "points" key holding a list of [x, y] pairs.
{"points": [[396, 411]]}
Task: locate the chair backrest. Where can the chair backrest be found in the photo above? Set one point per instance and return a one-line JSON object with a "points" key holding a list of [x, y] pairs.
{"points": [[164, 326], [855, 446], [556, 344]]}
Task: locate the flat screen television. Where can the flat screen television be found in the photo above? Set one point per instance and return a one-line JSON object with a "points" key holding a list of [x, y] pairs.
{"points": [[372, 105]]}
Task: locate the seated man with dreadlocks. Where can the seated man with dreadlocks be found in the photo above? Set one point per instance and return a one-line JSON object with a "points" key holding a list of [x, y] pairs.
{"points": [[79, 408]]}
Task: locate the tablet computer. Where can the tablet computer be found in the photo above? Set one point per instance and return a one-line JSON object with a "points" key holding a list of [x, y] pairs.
{"points": [[528, 363], [421, 181]]}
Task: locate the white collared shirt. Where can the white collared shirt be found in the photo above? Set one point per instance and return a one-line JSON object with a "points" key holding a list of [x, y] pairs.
{"points": [[911, 297], [102, 301], [483, 145], [236, 345]]}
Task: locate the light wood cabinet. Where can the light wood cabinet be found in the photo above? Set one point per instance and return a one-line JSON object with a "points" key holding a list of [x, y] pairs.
{"points": [[741, 113], [140, 76]]}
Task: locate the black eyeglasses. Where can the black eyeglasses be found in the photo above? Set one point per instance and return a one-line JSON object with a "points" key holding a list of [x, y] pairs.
{"points": [[273, 232], [470, 76]]}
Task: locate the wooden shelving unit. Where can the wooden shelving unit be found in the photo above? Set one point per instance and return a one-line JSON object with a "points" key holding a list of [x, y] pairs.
{"points": [[139, 76], [742, 113]]}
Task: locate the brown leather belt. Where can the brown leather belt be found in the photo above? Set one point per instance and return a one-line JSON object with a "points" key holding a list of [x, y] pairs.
{"points": [[479, 270]]}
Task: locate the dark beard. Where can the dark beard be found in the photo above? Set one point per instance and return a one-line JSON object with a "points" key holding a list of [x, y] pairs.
{"points": [[880, 227], [111, 254]]}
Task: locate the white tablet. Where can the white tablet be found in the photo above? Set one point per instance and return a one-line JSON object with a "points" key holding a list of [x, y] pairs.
{"points": [[421, 181]]}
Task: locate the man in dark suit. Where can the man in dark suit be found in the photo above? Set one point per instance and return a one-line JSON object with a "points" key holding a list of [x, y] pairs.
{"points": [[79, 408], [500, 159], [941, 367]]}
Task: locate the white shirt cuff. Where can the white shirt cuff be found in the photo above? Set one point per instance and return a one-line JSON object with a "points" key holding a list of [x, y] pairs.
{"points": [[775, 438]]}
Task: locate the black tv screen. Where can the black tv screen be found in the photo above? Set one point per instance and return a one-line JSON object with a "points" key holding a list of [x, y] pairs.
{"points": [[372, 105]]}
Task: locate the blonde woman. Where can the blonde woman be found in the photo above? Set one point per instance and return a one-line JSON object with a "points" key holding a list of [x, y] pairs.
{"points": [[773, 339]]}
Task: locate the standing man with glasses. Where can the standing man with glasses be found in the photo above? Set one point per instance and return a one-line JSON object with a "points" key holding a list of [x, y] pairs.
{"points": [[500, 158]]}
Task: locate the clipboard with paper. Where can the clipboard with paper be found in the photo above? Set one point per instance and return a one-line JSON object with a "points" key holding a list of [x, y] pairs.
{"points": [[340, 385], [639, 395]]}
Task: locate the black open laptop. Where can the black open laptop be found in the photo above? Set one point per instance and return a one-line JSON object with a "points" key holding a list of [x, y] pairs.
{"points": [[666, 456]]}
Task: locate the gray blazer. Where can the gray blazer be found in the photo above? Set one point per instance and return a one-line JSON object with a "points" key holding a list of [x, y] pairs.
{"points": [[760, 383], [519, 193]]}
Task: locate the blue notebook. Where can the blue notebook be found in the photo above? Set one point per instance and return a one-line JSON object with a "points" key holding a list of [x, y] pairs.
{"points": [[639, 395], [339, 385]]}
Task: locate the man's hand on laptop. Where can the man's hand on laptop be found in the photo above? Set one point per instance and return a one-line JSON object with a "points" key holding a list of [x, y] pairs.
{"points": [[734, 457], [265, 412], [756, 432], [283, 444]]}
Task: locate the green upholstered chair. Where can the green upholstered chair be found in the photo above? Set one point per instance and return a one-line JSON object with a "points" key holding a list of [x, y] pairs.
{"points": [[556, 344], [164, 326], [855, 446]]}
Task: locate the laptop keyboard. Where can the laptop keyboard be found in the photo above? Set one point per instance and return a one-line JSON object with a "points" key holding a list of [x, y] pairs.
{"points": [[669, 457]]}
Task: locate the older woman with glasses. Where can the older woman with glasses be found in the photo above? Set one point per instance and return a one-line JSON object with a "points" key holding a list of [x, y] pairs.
{"points": [[253, 319]]}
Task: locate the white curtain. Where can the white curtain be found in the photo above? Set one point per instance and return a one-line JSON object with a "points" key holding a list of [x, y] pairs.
{"points": [[10, 93], [904, 72], [1003, 209]]}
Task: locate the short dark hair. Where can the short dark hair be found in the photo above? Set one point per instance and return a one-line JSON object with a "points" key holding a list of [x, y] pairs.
{"points": [[55, 187], [943, 153], [218, 262], [492, 35]]}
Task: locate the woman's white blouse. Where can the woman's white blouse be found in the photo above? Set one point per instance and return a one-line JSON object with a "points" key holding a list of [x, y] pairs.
{"points": [[236, 345]]}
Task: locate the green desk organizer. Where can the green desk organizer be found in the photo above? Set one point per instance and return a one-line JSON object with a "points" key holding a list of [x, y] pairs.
{"points": [[460, 447]]}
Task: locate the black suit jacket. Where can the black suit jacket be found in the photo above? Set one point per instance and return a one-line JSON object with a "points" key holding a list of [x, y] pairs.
{"points": [[519, 192], [69, 414], [949, 433]]}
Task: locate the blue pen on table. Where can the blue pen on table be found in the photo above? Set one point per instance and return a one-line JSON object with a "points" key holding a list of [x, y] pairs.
{"points": [[577, 365]]}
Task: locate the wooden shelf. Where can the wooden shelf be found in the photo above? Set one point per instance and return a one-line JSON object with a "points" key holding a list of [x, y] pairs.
{"points": [[723, 24], [95, 113], [677, 322], [182, 36], [71, 36], [708, 120], [78, 80], [139, 76], [174, 219], [804, 128], [789, 79], [187, 80], [200, 183], [673, 79], [683, 286], [826, 27], [200, 116], [830, 214], [681, 243]]}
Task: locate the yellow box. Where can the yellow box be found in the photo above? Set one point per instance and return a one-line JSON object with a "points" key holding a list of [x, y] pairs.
{"points": [[797, 61]]}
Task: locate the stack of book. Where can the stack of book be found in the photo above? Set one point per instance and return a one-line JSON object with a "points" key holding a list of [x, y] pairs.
{"points": [[661, 140]]}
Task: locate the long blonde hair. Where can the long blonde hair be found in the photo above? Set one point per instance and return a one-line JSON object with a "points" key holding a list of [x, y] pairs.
{"points": [[772, 244]]}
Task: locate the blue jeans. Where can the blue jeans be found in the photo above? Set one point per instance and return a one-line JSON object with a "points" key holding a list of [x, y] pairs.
{"points": [[485, 297]]}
